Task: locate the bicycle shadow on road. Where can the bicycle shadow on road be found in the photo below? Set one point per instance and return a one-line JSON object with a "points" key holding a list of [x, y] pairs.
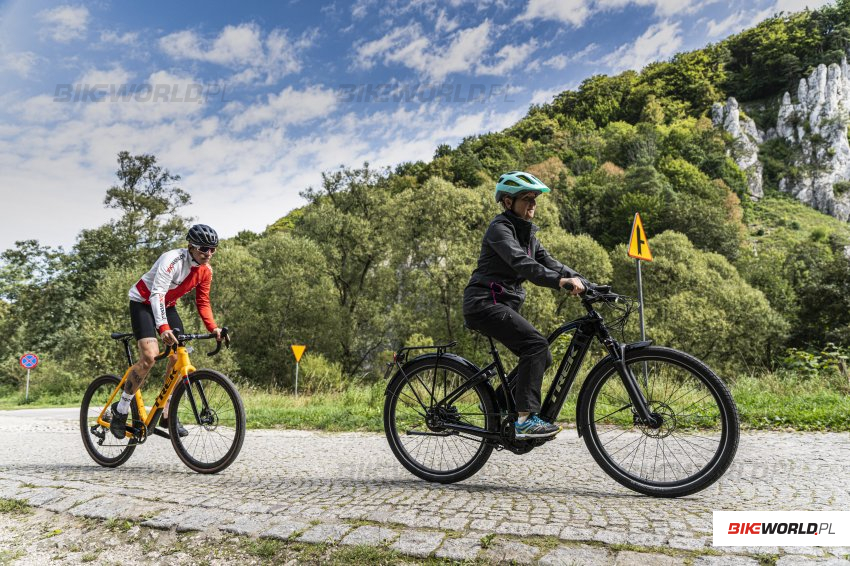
{"points": [[158, 473]]}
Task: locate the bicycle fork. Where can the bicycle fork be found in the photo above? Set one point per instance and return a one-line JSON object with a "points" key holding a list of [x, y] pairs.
{"points": [[639, 403], [200, 417]]}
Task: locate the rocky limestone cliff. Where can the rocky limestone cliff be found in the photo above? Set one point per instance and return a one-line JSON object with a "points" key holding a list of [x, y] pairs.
{"points": [[817, 126], [747, 138]]}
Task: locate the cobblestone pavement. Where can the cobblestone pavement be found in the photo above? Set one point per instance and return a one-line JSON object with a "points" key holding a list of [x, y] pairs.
{"points": [[552, 506]]}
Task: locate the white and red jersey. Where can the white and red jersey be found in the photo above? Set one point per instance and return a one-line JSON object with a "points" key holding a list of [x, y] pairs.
{"points": [[173, 275]]}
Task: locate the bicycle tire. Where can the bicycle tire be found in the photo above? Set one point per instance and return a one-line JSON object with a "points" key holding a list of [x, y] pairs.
{"points": [[223, 426], [713, 415], [477, 407], [98, 393]]}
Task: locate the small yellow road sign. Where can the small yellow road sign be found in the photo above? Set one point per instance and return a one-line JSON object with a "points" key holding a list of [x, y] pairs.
{"points": [[298, 351], [638, 246]]}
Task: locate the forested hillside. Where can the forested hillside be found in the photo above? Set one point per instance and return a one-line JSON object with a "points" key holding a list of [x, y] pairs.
{"points": [[380, 258]]}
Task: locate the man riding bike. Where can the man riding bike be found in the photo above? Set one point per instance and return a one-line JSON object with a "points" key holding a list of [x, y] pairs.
{"points": [[153, 312], [510, 254]]}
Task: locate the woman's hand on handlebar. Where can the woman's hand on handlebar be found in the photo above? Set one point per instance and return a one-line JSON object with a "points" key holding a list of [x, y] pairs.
{"points": [[573, 285]]}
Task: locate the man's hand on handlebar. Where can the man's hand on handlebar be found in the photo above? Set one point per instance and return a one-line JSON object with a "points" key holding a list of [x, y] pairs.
{"points": [[168, 338], [573, 285], [217, 332]]}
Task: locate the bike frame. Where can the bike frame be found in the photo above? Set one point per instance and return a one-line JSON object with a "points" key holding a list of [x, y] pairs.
{"points": [[181, 370], [586, 328]]}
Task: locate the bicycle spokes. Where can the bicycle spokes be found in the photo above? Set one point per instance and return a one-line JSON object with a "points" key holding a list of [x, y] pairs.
{"points": [[423, 424], [687, 429]]}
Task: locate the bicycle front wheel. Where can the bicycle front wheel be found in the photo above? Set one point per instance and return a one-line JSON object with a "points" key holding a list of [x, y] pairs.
{"points": [[698, 436], [415, 424], [104, 448], [211, 411]]}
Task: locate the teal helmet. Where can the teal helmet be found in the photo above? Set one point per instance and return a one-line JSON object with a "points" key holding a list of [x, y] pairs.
{"points": [[516, 182]]}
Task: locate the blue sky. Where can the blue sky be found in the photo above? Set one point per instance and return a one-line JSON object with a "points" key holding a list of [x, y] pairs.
{"points": [[249, 102]]}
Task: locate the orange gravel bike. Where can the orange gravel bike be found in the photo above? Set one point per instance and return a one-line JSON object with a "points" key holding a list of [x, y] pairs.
{"points": [[655, 419], [205, 401]]}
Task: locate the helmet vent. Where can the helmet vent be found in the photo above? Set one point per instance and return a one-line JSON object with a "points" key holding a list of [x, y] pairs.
{"points": [[511, 183]]}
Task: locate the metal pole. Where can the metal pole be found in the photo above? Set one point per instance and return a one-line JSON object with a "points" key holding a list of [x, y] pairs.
{"points": [[640, 300], [296, 378], [642, 327], [27, 397]]}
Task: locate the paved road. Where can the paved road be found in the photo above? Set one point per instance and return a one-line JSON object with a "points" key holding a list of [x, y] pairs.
{"points": [[349, 488]]}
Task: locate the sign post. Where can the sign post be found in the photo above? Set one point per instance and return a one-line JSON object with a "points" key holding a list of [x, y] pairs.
{"points": [[28, 362], [639, 250], [298, 350]]}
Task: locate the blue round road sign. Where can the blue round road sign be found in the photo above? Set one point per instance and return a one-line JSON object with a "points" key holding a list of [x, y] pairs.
{"points": [[29, 361]]}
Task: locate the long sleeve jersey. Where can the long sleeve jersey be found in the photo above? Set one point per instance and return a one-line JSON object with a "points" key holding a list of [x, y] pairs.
{"points": [[173, 275]]}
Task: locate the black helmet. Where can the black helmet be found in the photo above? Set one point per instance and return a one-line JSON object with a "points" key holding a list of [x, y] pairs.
{"points": [[201, 235]]}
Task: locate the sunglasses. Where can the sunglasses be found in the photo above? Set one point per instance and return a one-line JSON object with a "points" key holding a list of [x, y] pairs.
{"points": [[206, 250]]}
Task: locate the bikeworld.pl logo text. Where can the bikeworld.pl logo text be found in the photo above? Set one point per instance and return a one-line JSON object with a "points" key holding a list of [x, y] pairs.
{"points": [[445, 93], [196, 93], [780, 528]]}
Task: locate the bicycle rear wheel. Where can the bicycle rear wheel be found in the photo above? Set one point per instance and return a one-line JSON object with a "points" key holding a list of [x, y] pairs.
{"points": [[104, 448], [699, 432], [427, 449], [212, 413]]}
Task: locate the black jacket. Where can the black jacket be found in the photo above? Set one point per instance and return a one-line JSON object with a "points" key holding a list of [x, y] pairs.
{"points": [[510, 254]]}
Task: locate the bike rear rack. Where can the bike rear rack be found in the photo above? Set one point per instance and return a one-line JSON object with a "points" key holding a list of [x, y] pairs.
{"points": [[400, 356]]}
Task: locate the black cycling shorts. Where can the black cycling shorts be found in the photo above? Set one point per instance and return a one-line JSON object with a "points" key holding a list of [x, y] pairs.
{"points": [[144, 325]]}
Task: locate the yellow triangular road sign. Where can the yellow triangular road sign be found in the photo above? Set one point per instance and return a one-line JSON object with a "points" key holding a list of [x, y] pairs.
{"points": [[638, 245], [298, 351]]}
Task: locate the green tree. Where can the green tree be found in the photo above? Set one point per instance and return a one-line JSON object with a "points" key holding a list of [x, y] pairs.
{"points": [[698, 302], [148, 198], [347, 219]]}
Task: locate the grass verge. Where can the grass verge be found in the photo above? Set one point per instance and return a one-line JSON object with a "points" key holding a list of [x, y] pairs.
{"points": [[771, 401]]}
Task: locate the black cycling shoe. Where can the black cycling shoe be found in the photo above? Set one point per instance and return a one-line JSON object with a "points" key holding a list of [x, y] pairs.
{"points": [[118, 422], [181, 430]]}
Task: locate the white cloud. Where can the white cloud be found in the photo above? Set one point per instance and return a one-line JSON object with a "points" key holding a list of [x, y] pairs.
{"points": [[546, 95], [798, 5], [735, 22], [445, 24], [508, 58], [660, 41], [242, 48], [466, 52], [21, 63], [289, 107], [360, 9], [577, 12], [64, 23], [237, 181], [573, 12], [129, 38]]}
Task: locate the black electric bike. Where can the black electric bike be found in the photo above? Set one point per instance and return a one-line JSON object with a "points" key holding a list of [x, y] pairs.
{"points": [[657, 420]]}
